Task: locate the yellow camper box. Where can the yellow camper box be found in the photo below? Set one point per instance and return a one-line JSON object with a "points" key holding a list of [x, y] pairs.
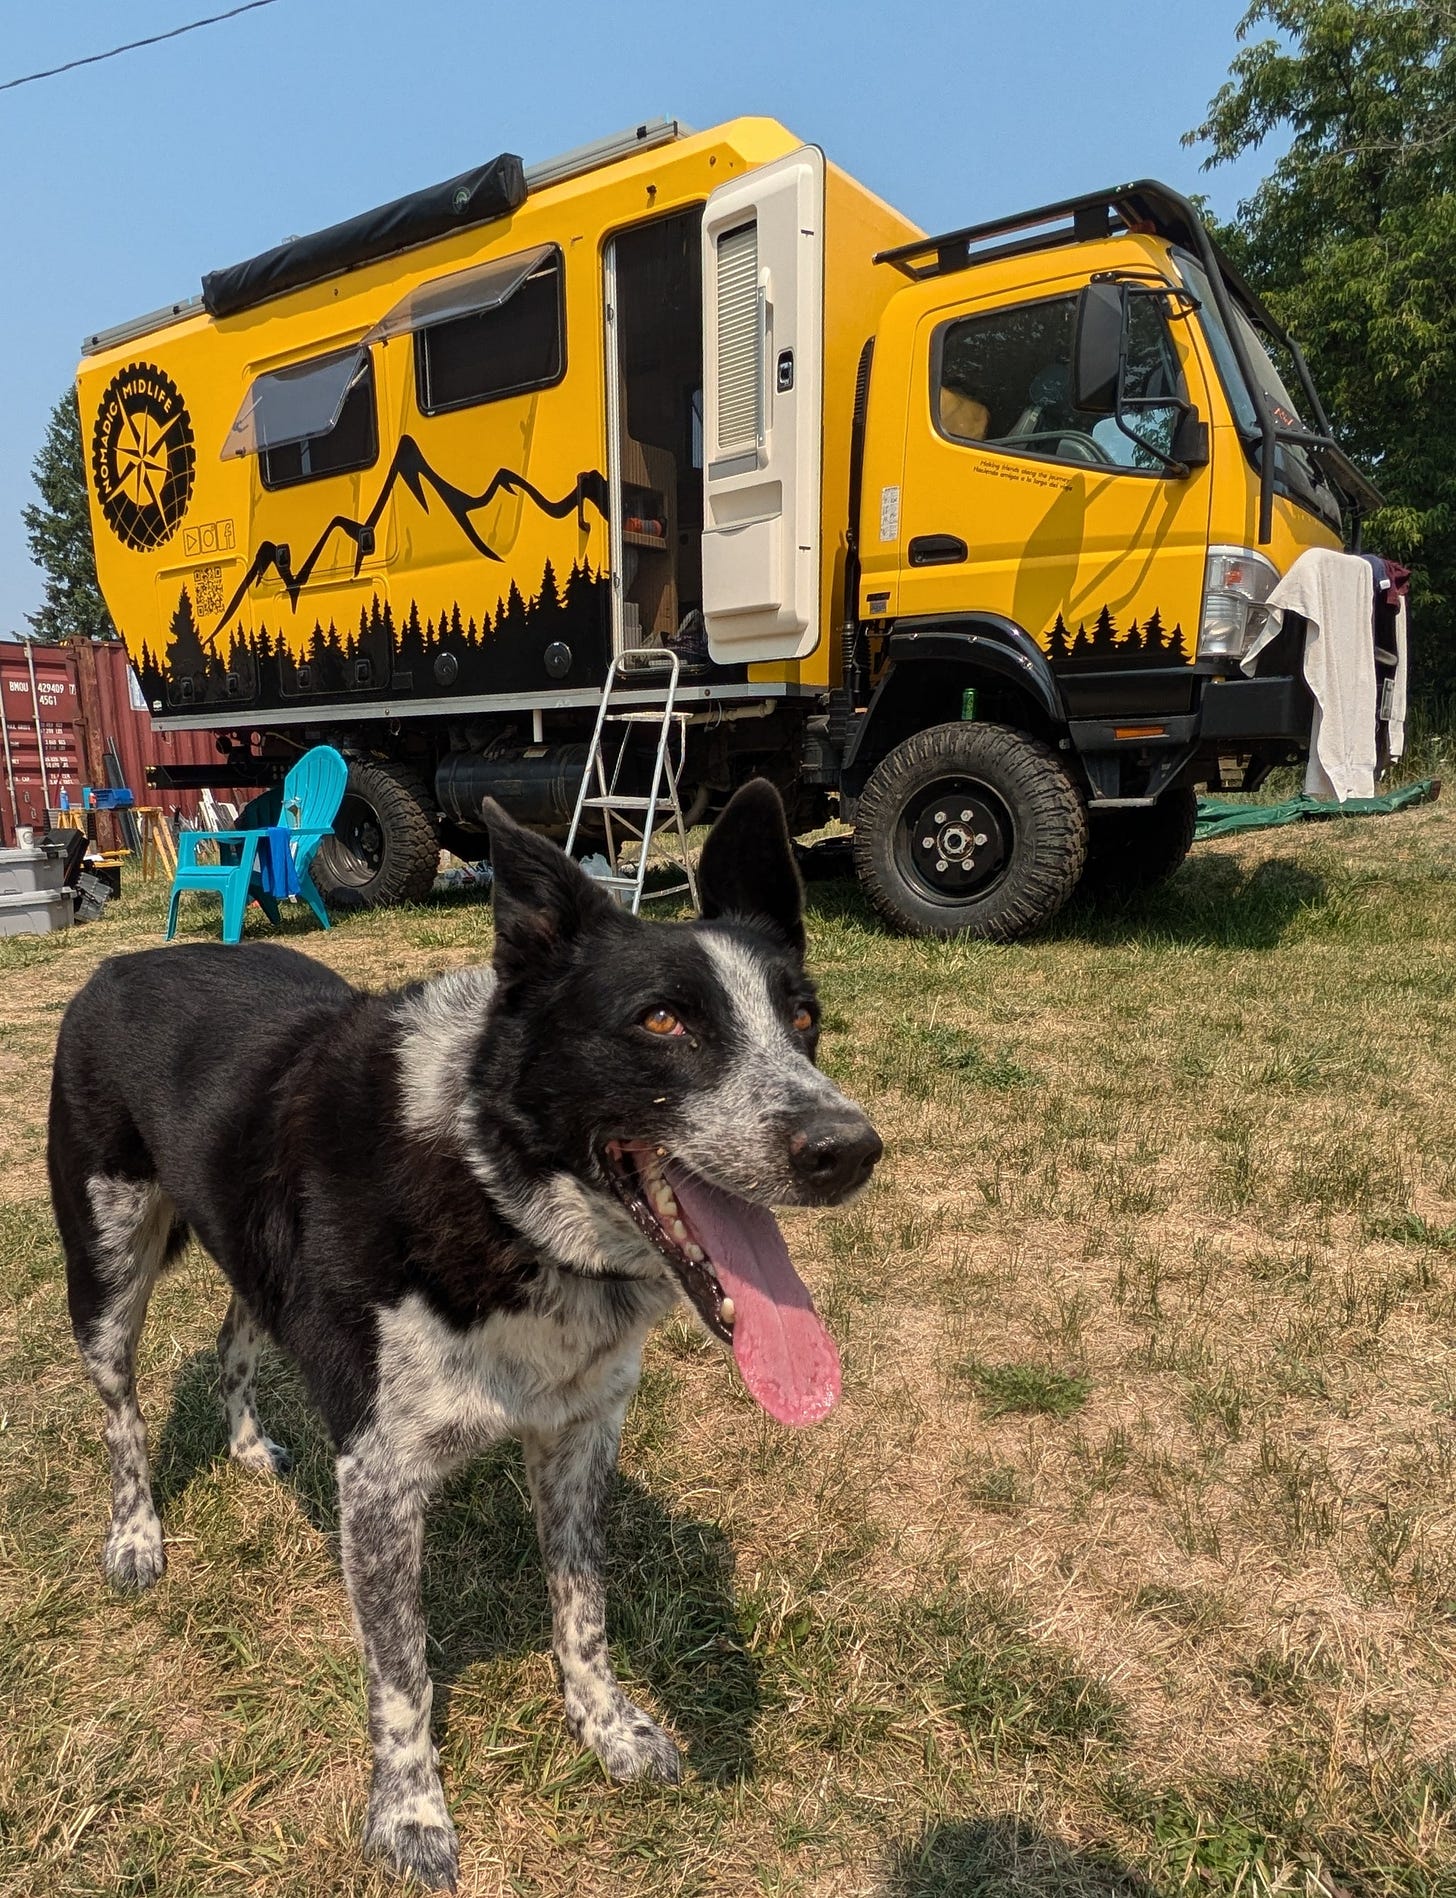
{"points": [[390, 486]]}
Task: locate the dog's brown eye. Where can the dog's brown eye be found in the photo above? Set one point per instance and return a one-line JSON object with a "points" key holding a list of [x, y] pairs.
{"points": [[662, 1021], [803, 1020]]}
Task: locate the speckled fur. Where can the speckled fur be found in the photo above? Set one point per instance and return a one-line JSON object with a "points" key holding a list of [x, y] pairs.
{"points": [[404, 1193]]}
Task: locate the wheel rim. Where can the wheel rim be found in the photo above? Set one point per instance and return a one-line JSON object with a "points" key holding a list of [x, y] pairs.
{"points": [[954, 839], [354, 854]]}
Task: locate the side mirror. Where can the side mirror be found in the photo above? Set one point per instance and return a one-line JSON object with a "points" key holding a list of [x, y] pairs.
{"points": [[1097, 349], [1189, 447]]}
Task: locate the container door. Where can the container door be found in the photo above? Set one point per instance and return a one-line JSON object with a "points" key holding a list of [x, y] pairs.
{"points": [[763, 311], [41, 751]]}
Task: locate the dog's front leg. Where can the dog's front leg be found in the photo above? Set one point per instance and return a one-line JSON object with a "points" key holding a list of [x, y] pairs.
{"points": [[570, 1473], [382, 1520]]}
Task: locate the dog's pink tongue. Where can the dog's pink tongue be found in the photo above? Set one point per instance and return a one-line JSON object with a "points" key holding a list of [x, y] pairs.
{"points": [[788, 1360]]}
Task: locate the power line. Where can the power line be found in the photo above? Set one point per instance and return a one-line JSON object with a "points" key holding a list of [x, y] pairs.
{"points": [[93, 59]]}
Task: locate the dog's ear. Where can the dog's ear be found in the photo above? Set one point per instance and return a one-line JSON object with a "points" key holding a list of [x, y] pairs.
{"points": [[747, 867], [541, 899]]}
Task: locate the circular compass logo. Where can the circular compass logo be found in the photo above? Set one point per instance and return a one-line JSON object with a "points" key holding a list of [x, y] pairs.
{"points": [[142, 456]]}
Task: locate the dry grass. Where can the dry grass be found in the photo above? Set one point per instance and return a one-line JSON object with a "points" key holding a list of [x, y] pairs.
{"points": [[1128, 1564]]}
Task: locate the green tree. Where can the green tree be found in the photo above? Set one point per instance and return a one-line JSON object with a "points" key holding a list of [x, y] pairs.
{"points": [[1352, 241], [58, 528]]}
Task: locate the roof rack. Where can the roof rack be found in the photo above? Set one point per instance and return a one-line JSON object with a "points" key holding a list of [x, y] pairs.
{"points": [[1157, 209], [1093, 214]]}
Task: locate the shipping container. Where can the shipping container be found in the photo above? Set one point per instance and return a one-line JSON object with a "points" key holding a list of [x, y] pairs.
{"points": [[62, 708]]}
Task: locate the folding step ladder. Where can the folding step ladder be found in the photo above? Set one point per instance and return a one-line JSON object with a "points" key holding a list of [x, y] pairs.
{"points": [[637, 815]]}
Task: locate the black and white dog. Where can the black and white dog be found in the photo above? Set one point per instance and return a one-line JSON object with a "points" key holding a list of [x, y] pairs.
{"points": [[460, 1207]]}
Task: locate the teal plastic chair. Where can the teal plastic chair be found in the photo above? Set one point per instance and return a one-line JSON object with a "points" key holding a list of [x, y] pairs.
{"points": [[263, 865]]}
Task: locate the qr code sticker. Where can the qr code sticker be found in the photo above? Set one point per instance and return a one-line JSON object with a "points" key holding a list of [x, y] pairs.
{"points": [[207, 584]]}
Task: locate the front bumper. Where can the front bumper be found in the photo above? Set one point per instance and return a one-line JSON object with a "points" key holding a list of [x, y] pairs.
{"points": [[1254, 711], [1131, 758]]}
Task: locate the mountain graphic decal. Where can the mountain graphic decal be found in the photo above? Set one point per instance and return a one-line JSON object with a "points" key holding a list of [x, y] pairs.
{"points": [[410, 466]]}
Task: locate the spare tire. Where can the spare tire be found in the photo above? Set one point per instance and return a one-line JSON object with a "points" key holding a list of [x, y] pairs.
{"points": [[385, 848]]}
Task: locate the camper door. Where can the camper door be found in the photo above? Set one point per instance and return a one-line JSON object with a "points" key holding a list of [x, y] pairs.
{"points": [[763, 327]]}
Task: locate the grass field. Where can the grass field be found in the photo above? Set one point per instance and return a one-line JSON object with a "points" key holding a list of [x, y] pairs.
{"points": [[1127, 1565]]}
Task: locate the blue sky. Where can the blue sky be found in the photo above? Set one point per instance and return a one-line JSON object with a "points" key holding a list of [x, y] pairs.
{"points": [[125, 181]]}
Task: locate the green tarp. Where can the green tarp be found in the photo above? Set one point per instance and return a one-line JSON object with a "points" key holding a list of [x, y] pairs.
{"points": [[1220, 817]]}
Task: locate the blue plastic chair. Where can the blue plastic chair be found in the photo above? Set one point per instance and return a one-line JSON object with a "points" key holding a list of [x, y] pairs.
{"points": [[267, 864]]}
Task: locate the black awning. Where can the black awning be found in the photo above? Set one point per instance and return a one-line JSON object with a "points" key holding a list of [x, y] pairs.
{"points": [[475, 197]]}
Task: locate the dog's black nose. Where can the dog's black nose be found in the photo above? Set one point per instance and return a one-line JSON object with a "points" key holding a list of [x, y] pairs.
{"points": [[834, 1153]]}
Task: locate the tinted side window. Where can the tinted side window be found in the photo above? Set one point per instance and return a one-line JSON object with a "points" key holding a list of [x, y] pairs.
{"points": [[1004, 380], [352, 443], [492, 353]]}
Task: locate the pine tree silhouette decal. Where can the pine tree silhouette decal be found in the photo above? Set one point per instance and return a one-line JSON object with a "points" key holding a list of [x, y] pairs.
{"points": [[583, 615], [1150, 644], [511, 625], [548, 600], [149, 672], [412, 642], [240, 667], [185, 656], [372, 656]]}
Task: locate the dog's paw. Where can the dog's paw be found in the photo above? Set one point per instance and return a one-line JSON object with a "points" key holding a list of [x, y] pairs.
{"points": [[631, 1745], [134, 1557], [413, 1847], [262, 1454]]}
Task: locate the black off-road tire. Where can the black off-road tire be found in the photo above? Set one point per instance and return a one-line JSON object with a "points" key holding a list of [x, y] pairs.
{"points": [[385, 848], [1132, 851], [970, 830]]}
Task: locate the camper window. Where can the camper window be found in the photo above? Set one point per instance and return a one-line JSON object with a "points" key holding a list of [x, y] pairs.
{"points": [[309, 420], [352, 443], [488, 354]]}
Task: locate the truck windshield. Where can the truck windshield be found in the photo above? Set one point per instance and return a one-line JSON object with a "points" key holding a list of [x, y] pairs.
{"points": [[1295, 474]]}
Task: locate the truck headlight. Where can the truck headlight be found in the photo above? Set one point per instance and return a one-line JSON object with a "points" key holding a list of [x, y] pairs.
{"points": [[1236, 583]]}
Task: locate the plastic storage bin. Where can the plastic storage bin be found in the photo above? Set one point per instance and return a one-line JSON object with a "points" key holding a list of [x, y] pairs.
{"points": [[36, 912], [23, 872]]}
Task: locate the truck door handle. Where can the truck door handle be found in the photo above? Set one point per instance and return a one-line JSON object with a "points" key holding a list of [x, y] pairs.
{"points": [[937, 550]]}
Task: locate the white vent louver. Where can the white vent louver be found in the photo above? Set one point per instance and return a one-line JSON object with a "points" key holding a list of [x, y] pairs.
{"points": [[740, 340]]}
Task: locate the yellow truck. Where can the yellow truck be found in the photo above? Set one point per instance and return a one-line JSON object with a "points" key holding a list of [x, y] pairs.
{"points": [[959, 538]]}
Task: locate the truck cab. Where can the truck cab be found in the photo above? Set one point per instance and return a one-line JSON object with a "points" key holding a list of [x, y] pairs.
{"points": [[1082, 474]]}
